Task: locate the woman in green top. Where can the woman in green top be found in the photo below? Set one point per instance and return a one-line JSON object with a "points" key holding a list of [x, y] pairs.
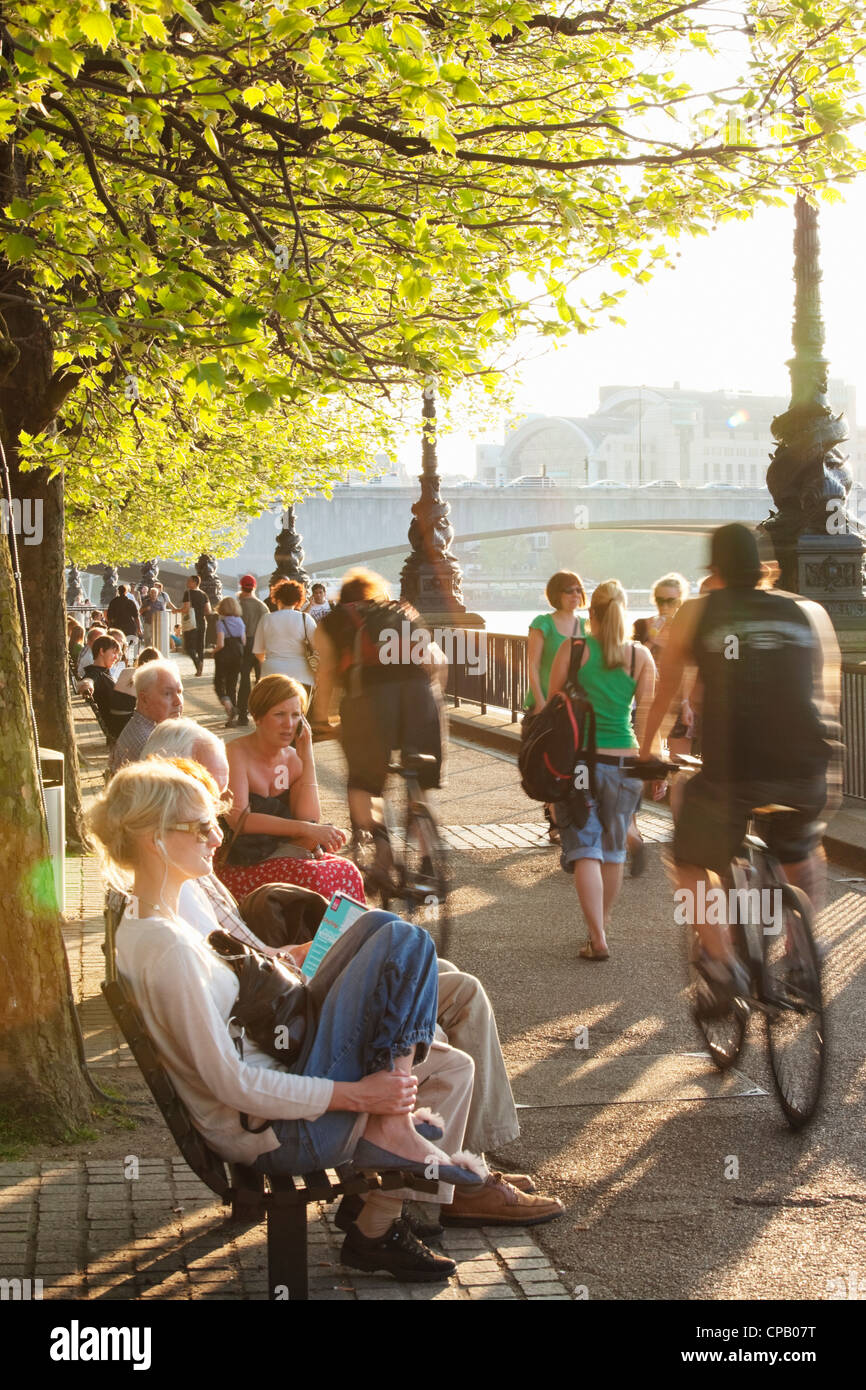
{"points": [[613, 674], [565, 594]]}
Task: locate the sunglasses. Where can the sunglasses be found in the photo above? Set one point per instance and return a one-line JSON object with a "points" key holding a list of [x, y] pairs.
{"points": [[660, 601], [573, 590], [202, 829]]}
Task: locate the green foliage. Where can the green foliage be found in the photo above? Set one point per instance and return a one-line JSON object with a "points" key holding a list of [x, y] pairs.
{"points": [[249, 225]]}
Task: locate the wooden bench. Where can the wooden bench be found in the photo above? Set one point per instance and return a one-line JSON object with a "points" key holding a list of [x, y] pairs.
{"points": [[283, 1202]]}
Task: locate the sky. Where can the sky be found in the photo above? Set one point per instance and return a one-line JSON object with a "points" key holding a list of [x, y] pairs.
{"points": [[720, 320]]}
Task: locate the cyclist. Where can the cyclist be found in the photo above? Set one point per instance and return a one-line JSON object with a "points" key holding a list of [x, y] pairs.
{"points": [[768, 663], [381, 652]]}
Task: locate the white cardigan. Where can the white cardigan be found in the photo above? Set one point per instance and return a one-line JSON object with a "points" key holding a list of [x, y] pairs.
{"points": [[186, 995]]}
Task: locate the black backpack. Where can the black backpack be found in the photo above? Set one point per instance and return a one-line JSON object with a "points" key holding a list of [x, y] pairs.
{"points": [[555, 741]]}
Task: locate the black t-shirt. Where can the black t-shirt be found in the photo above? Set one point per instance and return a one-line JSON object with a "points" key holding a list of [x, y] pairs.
{"points": [[385, 640], [197, 604], [758, 654]]}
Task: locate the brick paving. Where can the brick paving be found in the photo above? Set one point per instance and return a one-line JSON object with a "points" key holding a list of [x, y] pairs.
{"points": [[145, 1228]]}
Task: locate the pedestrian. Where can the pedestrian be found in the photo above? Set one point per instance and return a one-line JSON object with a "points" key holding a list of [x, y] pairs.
{"points": [[195, 605], [228, 650], [252, 612], [612, 673], [565, 594], [283, 638], [318, 606], [122, 613]]}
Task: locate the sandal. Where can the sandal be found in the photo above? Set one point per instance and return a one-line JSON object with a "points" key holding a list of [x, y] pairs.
{"points": [[589, 952]]}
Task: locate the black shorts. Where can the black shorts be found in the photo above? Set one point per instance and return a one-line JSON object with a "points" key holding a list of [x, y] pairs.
{"points": [[714, 816], [396, 714]]}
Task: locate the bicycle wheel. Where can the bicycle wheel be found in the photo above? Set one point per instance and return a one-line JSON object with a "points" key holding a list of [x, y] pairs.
{"points": [[424, 878], [795, 1009], [723, 1036]]}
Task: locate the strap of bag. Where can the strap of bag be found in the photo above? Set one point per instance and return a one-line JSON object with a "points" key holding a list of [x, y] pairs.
{"points": [[633, 650], [572, 679], [222, 854]]}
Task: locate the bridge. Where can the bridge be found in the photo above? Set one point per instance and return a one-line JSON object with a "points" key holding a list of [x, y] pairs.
{"points": [[363, 523]]}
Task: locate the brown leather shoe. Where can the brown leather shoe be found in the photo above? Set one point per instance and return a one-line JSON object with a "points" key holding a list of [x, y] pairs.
{"points": [[499, 1203], [522, 1181]]}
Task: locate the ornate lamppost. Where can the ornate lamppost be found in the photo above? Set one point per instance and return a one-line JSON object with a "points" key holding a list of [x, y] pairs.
{"points": [[431, 579], [289, 554], [74, 592], [110, 582], [206, 569], [819, 546]]}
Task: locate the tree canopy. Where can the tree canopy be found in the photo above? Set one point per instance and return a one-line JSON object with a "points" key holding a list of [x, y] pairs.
{"points": [[246, 226]]}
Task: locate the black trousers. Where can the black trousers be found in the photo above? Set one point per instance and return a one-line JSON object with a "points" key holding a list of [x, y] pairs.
{"points": [[249, 664]]}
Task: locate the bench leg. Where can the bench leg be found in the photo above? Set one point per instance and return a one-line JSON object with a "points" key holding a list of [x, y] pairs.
{"points": [[287, 1252]]}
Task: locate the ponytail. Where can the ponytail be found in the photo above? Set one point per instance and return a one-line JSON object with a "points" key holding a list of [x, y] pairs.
{"points": [[608, 607]]}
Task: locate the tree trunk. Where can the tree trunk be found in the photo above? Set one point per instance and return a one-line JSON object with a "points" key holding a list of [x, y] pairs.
{"points": [[40, 1078], [29, 400]]}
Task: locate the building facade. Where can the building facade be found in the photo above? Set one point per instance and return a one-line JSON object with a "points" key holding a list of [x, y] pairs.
{"points": [[643, 434]]}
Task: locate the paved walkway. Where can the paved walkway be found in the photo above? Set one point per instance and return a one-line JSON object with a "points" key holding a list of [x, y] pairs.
{"points": [[635, 1132], [131, 1227]]}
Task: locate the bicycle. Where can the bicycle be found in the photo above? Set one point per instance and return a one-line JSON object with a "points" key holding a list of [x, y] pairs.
{"points": [[781, 961], [419, 880]]}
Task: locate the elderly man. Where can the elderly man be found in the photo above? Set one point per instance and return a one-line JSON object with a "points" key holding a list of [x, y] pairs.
{"points": [[158, 696], [465, 1017]]}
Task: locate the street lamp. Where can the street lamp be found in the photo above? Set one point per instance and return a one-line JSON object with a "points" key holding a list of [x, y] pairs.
{"points": [[818, 545]]}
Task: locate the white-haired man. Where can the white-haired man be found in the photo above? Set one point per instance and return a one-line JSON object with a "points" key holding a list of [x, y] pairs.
{"points": [[465, 1017], [158, 696]]}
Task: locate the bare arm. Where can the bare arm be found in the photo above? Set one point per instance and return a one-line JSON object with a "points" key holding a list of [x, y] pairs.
{"points": [[675, 657], [646, 680], [326, 674], [534, 653]]}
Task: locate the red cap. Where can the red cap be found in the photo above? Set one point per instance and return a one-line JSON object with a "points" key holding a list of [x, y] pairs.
{"points": [[248, 581]]}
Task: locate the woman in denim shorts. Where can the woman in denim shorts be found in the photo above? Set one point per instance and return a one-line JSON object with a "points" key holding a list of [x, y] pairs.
{"points": [[613, 674]]}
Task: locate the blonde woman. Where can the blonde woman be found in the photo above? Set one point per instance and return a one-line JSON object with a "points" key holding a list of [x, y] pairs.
{"points": [[613, 674], [228, 651], [350, 1093]]}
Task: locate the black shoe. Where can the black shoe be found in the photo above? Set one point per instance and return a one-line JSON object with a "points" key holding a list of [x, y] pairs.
{"points": [[349, 1210], [719, 983], [242, 720], [398, 1253]]}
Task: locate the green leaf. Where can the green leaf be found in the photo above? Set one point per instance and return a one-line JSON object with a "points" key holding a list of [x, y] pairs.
{"points": [[16, 246], [97, 26]]}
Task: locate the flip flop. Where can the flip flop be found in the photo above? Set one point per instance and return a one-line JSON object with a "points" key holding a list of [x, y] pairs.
{"points": [[369, 1155], [588, 952]]}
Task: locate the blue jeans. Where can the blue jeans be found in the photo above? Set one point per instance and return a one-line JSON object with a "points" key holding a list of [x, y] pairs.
{"points": [[381, 1006], [603, 836]]}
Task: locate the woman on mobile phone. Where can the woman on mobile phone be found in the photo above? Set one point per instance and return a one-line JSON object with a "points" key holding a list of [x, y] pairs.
{"points": [[275, 834]]}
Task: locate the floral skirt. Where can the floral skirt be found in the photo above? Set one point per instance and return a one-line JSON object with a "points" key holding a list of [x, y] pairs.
{"points": [[328, 875]]}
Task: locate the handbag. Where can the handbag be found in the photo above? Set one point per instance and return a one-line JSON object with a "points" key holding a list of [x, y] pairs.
{"points": [[272, 1007], [239, 851], [309, 650]]}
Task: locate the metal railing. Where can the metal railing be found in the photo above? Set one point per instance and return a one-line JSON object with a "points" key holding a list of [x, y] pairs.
{"points": [[853, 717], [504, 681]]}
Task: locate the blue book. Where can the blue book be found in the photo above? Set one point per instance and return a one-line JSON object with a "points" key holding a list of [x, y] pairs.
{"points": [[341, 912]]}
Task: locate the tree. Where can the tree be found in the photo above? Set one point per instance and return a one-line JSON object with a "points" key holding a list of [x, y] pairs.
{"points": [[214, 211]]}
